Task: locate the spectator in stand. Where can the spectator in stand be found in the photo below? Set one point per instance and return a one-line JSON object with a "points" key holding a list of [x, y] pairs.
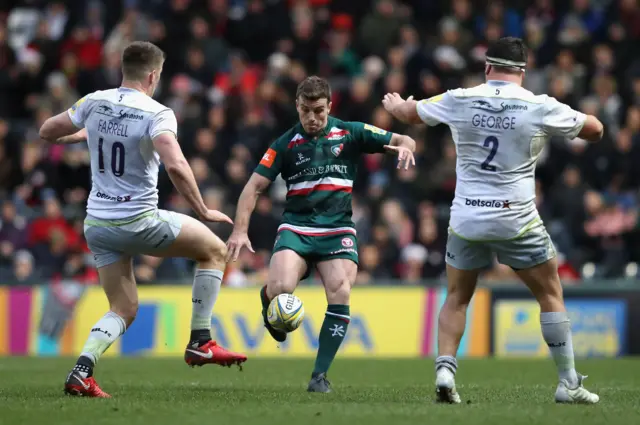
{"points": [[41, 230], [24, 271], [13, 237], [380, 27]]}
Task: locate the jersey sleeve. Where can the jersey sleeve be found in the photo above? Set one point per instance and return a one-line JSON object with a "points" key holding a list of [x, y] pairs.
{"points": [[370, 138], [437, 109], [271, 162], [561, 120], [163, 122], [79, 111]]}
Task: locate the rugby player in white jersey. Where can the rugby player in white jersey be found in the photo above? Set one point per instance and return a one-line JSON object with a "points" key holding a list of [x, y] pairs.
{"points": [[129, 134], [499, 130]]}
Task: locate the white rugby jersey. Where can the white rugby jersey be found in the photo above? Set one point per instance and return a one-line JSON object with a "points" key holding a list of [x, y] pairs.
{"points": [[121, 124], [499, 130]]}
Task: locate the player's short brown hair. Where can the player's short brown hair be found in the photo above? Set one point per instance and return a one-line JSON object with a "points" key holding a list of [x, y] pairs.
{"points": [[314, 88], [140, 58]]}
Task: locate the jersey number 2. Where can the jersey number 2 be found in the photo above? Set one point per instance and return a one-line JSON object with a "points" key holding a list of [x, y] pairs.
{"points": [[491, 142], [117, 158]]}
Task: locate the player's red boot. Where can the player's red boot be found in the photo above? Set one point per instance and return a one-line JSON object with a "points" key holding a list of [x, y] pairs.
{"points": [[212, 353], [86, 387]]}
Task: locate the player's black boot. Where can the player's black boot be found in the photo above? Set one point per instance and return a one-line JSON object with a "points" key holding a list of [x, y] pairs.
{"points": [[319, 384], [279, 336]]}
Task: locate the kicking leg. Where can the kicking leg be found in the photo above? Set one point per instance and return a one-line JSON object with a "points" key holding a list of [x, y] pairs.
{"points": [[338, 276], [197, 242], [285, 272], [544, 283], [120, 287]]}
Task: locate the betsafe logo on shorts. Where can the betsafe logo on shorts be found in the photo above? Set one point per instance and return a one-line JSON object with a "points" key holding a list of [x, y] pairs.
{"points": [[492, 203]]}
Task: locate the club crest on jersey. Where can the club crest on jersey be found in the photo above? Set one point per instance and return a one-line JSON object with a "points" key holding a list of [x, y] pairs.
{"points": [[347, 242], [335, 150], [337, 134]]}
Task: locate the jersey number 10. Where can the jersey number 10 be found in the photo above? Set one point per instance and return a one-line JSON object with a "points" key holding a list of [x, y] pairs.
{"points": [[491, 142], [117, 158]]}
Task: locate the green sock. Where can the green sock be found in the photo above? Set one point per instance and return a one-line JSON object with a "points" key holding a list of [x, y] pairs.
{"points": [[332, 333], [265, 302]]}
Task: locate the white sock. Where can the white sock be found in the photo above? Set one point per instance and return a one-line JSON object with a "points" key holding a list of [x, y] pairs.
{"points": [[206, 286], [448, 363], [556, 331], [102, 335]]}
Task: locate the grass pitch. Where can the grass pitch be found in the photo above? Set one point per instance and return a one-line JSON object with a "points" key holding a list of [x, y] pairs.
{"points": [[165, 391]]}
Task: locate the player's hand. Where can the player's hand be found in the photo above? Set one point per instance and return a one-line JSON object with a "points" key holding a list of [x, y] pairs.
{"points": [[215, 216], [235, 243], [405, 156], [392, 101]]}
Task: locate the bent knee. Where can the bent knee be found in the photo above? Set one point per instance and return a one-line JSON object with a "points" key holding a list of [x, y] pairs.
{"points": [[339, 292], [277, 286], [219, 251], [215, 252]]}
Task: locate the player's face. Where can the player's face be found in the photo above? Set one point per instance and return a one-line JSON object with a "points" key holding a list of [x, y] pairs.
{"points": [[313, 114]]}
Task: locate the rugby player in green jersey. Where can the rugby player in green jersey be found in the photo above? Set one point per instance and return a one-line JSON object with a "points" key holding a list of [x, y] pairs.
{"points": [[318, 160]]}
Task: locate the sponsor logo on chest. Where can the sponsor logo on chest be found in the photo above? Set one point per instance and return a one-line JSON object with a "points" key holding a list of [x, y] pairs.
{"points": [[301, 159]]}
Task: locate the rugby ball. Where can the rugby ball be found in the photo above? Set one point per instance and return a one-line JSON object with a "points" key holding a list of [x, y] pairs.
{"points": [[285, 312]]}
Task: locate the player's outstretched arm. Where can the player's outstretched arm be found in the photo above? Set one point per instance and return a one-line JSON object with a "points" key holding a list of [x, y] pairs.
{"points": [[593, 129], [61, 130], [403, 110], [563, 121], [239, 238], [182, 177]]}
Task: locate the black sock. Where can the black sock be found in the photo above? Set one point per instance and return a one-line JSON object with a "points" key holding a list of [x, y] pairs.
{"points": [[84, 365], [264, 298], [199, 337]]}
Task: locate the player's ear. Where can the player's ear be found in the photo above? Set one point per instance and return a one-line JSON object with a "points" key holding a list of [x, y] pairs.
{"points": [[329, 107], [487, 69]]}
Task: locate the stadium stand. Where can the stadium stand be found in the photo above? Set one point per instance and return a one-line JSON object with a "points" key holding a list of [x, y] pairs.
{"points": [[230, 76]]}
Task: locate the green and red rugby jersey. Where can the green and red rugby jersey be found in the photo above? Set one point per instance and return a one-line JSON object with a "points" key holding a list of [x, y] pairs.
{"points": [[319, 172]]}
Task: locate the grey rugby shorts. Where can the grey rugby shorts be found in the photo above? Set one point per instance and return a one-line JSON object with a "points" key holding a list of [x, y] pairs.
{"points": [[525, 251], [146, 233]]}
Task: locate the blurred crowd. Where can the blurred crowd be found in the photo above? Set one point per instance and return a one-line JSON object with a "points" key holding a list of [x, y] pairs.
{"points": [[230, 77]]}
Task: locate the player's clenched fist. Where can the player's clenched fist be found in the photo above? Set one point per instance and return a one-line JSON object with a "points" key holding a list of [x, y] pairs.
{"points": [[235, 243]]}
